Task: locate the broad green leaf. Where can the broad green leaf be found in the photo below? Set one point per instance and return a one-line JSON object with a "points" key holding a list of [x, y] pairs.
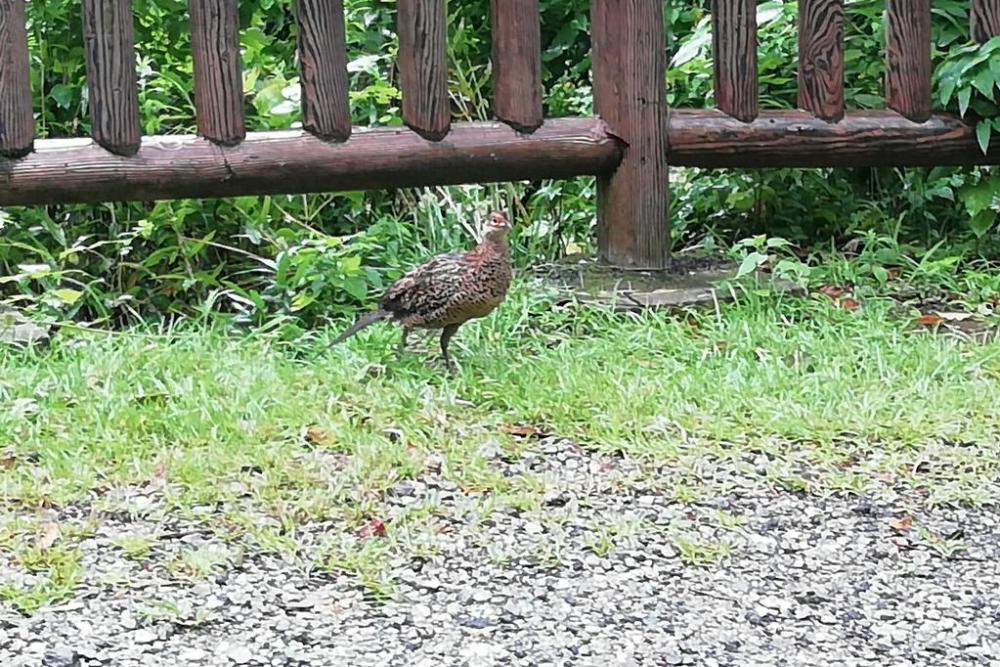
{"points": [[982, 222], [964, 96], [69, 296], [983, 130]]}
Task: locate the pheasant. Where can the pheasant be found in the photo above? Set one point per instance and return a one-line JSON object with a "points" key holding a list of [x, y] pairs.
{"points": [[447, 291]]}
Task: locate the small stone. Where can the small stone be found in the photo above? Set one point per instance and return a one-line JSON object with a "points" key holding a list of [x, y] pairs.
{"points": [[61, 656], [240, 654], [144, 636]]}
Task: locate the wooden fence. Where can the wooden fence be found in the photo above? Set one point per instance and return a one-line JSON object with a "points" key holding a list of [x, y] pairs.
{"points": [[627, 146]]}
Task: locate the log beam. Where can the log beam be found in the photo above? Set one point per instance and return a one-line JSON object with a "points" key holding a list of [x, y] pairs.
{"points": [[709, 138], [292, 162]]}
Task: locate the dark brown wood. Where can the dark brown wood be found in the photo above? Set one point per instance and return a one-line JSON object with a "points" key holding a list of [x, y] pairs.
{"points": [[326, 110], [218, 70], [77, 170], [112, 84], [17, 126], [709, 138], [821, 58], [734, 53], [517, 63], [985, 17], [908, 58], [630, 95], [423, 66]]}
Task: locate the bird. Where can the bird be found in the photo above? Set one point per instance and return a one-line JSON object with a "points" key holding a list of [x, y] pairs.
{"points": [[448, 290]]}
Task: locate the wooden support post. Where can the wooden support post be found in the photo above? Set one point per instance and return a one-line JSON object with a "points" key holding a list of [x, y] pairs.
{"points": [[985, 17], [292, 162], [734, 53], [423, 66], [17, 125], [517, 63], [218, 70], [629, 66], [908, 58], [326, 110], [821, 58], [109, 48]]}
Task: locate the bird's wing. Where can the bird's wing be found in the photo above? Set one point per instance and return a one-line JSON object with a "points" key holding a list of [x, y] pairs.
{"points": [[427, 288]]}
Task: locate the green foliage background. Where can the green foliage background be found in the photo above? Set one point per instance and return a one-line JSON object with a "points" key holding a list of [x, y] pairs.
{"points": [[303, 258]]}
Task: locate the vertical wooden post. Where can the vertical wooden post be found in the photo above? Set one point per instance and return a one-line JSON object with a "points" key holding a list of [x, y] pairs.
{"points": [[821, 58], [109, 48], [985, 17], [517, 63], [423, 66], [629, 69], [908, 58], [17, 125], [218, 70], [734, 53], [326, 110]]}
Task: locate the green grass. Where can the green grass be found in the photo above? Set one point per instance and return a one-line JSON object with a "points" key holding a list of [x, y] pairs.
{"points": [[277, 435]]}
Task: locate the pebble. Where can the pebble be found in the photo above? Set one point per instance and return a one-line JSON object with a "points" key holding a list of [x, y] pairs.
{"points": [[61, 656]]}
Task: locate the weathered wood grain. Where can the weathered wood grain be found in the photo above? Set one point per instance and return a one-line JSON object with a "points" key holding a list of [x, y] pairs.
{"points": [[421, 26], [326, 110], [709, 138], [112, 84], [166, 167], [821, 58], [734, 54], [517, 63], [985, 18], [908, 58], [218, 70], [630, 96], [17, 126]]}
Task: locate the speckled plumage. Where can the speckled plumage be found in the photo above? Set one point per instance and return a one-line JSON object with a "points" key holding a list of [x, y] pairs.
{"points": [[448, 290]]}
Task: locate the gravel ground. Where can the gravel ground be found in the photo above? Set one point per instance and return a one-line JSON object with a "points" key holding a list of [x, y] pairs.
{"points": [[608, 569]]}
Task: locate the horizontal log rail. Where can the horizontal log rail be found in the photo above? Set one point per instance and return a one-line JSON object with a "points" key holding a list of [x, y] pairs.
{"points": [[293, 162], [709, 138]]}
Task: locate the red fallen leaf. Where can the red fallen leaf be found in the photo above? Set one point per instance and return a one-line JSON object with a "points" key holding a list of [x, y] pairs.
{"points": [[49, 536], [902, 524], [373, 528], [832, 291], [523, 431], [849, 304], [892, 274], [930, 320]]}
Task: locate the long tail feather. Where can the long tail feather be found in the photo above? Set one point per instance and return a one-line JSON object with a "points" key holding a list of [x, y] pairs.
{"points": [[365, 321]]}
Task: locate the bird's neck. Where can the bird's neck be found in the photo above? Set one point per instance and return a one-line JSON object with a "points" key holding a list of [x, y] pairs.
{"points": [[490, 249]]}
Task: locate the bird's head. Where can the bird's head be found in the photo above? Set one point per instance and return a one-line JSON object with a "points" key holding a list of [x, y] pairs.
{"points": [[497, 227]]}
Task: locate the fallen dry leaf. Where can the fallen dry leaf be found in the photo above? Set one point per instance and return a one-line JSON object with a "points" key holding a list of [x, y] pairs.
{"points": [[832, 291], [929, 320], [8, 459], [902, 524], [892, 274], [49, 536], [849, 304], [523, 431], [955, 317], [722, 345], [319, 436]]}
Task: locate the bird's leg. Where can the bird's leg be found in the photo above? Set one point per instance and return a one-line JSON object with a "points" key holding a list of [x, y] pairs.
{"points": [[446, 335], [402, 343]]}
